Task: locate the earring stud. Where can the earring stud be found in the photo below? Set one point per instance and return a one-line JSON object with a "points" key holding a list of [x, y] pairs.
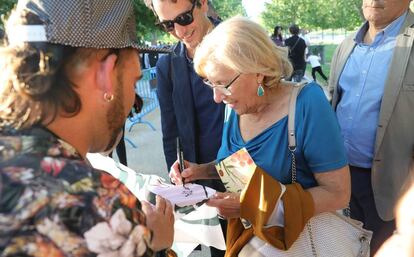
{"points": [[108, 97]]}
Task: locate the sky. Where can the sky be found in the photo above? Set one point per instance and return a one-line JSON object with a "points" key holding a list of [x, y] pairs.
{"points": [[253, 7]]}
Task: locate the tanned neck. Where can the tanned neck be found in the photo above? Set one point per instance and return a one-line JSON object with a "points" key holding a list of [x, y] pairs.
{"points": [[73, 136], [371, 33]]}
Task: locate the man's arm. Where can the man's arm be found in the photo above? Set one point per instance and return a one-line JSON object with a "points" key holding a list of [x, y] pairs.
{"points": [[168, 119]]}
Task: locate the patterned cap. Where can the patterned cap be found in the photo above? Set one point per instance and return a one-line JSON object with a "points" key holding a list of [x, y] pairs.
{"points": [[78, 23]]}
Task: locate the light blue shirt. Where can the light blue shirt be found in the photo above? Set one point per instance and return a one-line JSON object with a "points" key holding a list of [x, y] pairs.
{"points": [[361, 85], [319, 145]]}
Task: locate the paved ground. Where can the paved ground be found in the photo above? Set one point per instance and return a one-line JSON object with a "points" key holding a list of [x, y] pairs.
{"points": [[148, 157]]}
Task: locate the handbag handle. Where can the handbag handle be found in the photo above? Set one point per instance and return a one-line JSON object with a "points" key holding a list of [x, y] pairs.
{"points": [[292, 148], [291, 125]]}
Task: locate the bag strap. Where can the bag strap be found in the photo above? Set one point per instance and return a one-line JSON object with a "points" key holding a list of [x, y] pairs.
{"points": [[292, 148], [293, 47], [291, 125]]}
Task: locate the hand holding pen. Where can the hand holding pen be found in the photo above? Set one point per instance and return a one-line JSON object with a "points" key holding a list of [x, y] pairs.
{"points": [[180, 159]]}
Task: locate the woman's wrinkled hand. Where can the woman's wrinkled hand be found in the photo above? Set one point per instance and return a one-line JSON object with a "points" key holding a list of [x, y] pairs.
{"points": [[160, 219], [227, 204], [192, 172]]}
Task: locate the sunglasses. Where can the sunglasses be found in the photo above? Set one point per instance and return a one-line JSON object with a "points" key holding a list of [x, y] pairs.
{"points": [[224, 89], [183, 19]]}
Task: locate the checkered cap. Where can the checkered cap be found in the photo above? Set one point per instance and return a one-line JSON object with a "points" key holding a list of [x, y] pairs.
{"points": [[86, 23]]}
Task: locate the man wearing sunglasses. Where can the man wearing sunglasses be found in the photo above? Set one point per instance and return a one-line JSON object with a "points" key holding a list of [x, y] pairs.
{"points": [[187, 107]]}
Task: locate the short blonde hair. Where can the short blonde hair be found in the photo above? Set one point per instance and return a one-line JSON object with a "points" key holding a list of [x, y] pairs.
{"points": [[243, 46]]}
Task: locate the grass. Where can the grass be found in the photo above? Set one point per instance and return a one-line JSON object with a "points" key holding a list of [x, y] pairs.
{"points": [[326, 66]]}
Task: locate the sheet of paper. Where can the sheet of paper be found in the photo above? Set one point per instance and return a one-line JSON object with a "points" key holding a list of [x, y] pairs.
{"points": [[182, 196]]}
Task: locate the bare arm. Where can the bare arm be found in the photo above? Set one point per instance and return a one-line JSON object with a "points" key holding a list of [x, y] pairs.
{"points": [[193, 172], [333, 191]]}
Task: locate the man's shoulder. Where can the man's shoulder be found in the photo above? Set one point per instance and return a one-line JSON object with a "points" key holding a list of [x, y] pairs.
{"points": [[288, 40], [347, 42]]}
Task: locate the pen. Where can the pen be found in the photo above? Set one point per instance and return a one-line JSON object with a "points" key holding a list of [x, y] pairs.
{"points": [[180, 158]]}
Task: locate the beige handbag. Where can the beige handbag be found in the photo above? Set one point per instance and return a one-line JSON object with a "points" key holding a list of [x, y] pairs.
{"points": [[329, 234]]}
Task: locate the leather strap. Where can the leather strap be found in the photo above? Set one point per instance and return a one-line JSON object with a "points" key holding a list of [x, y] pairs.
{"points": [[291, 116]]}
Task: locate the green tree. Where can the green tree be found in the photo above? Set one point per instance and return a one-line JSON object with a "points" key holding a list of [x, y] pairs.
{"points": [[313, 14], [5, 8], [228, 8], [145, 21]]}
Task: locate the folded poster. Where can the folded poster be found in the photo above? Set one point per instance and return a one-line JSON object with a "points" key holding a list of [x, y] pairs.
{"points": [[236, 170]]}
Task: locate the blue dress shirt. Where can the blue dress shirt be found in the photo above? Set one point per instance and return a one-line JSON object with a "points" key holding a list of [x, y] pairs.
{"points": [[361, 85]]}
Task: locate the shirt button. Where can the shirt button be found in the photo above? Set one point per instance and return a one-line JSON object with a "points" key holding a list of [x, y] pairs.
{"points": [[364, 72], [357, 95]]}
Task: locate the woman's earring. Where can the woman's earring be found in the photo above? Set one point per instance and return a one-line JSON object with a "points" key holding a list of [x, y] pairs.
{"points": [[260, 90], [108, 97]]}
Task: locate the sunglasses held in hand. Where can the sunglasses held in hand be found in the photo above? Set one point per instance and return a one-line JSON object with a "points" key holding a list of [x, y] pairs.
{"points": [[183, 19]]}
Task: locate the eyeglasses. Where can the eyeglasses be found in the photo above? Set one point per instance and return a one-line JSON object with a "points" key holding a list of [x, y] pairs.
{"points": [[183, 19], [224, 89]]}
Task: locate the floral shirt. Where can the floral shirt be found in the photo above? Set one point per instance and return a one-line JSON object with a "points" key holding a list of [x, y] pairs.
{"points": [[53, 203]]}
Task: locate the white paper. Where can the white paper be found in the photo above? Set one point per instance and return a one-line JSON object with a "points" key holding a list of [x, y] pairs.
{"points": [[182, 196]]}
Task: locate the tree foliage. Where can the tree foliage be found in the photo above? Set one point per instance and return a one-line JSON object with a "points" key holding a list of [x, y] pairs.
{"points": [[228, 8], [145, 22], [5, 7], [313, 14]]}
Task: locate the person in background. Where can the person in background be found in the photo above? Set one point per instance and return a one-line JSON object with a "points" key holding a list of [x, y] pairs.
{"points": [[250, 83], [314, 59], [277, 36], [297, 48], [65, 93], [372, 77], [188, 110]]}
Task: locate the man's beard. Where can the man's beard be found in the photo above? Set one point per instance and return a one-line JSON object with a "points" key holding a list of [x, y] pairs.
{"points": [[115, 117]]}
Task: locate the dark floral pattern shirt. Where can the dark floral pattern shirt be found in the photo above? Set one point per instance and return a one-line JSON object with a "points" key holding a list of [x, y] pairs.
{"points": [[52, 203]]}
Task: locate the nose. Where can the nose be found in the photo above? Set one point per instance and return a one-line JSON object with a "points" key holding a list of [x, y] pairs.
{"points": [[218, 96]]}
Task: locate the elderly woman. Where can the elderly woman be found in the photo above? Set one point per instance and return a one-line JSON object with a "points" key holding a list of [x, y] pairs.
{"points": [[245, 69]]}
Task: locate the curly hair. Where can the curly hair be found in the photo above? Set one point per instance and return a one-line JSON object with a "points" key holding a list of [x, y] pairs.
{"points": [[34, 83]]}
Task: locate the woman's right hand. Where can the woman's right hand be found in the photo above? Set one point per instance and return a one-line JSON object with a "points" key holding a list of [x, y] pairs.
{"points": [[192, 172]]}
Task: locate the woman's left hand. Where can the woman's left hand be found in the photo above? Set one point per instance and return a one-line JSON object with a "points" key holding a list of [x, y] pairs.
{"points": [[227, 204]]}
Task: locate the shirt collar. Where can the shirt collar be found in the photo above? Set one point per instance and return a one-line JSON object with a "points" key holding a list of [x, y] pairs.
{"points": [[391, 30]]}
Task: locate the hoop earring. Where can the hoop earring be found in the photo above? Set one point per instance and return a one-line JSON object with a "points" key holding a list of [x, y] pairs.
{"points": [[108, 97], [260, 90]]}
